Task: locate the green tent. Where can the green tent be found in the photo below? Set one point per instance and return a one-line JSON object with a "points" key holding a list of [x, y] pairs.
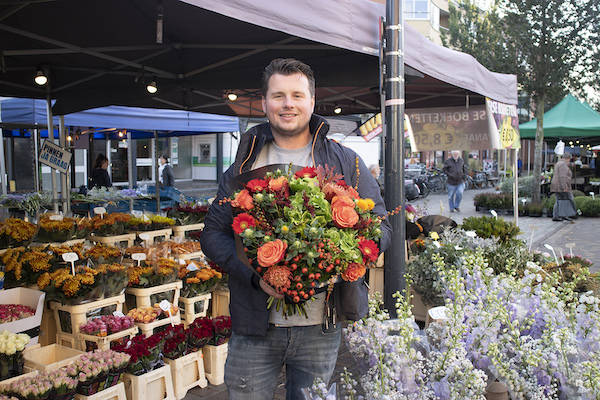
{"points": [[568, 119]]}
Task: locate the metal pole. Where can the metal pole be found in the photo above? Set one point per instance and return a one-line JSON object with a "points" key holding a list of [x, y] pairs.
{"points": [[528, 157], [108, 155], [2, 164], [219, 156], [64, 190], [36, 151], [156, 181], [516, 189], [51, 139], [395, 259], [130, 161]]}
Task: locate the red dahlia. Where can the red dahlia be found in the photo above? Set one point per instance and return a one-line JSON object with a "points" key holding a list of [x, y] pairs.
{"points": [[257, 185], [241, 222], [306, 172]]}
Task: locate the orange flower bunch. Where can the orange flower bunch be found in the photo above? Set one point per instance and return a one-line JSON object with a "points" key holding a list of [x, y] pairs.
{"points": [[17, 229], [75, 248], [101, 250], [24, 265], [52, 225], [110, 219]]}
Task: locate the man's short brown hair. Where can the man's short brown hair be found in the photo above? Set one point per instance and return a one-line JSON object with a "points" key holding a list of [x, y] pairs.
{"points": [[288, 66]]}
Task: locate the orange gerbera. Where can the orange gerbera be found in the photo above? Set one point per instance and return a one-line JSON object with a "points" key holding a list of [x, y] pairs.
{"points": [[256, 185], [242, 222]]}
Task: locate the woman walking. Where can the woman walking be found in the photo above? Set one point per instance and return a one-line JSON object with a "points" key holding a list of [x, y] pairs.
{"points": [[99, 177], [564, 208]]}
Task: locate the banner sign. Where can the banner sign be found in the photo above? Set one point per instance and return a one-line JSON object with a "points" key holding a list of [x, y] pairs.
{"points": [[449, 128], [55, 156], [503, 123], [372, 128]]}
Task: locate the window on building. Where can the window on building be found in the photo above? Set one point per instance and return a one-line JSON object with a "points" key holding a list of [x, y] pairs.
{"points": [[204, 157], [416, 9], [434, 17]]}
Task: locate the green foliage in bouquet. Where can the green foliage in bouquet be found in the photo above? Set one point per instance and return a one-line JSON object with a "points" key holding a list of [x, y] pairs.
{"points": [[487, 227]]}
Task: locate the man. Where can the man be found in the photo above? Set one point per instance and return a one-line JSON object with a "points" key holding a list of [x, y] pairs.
{"points": [[455, 170], [262, 341]]}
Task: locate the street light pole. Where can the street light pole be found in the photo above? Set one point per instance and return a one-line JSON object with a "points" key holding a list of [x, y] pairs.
{"points": [[395, 256]]}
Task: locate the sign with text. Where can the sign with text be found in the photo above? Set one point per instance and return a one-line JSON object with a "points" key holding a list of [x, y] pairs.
{"points": [[55, 156], [449, 128], [372, 128], [503, 124]]}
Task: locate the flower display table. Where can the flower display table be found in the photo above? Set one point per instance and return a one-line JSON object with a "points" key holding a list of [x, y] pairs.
{"points": [[220, 303], [114, 240], [187, 373], [153, 235], [49, 358], [193, 307], [103, 342], [180, 231], [154, 385], [116, 392], [214, 363]]}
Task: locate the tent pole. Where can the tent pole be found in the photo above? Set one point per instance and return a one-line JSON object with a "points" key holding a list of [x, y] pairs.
{"points": [[64, 190], [108, 155], [51, 139], [395, 259], [36, 151], [2, 164], [219, 156], [516, 189], [130, 161], [156, 181]]}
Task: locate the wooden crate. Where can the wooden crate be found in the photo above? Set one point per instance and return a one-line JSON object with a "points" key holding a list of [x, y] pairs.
{"points": [[148, 329], [47, 328], [103, 342], [114, 240], [189, 256], [50, 358], [187, 373], [78, 313], [142, 295], [214, 363], [67, 340], [220, 303], [159, 233], [154, 385], [375, 280], [179, 231], [187, 307], [116, 392]]}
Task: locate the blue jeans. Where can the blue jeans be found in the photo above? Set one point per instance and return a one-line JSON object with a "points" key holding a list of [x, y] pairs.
{"points": [[455, 193], [254, 362]]}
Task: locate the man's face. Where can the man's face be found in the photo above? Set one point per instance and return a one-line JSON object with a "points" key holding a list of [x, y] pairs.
{"points": [[455, 155], [288, 104]]}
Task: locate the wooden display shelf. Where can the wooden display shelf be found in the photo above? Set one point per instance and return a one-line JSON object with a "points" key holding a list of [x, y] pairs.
{"points": [[153, 235], [189, 256], [214, 363], [187, 307], [148, 329], [220, 303], [142, 295], [50, 358], [180, 231], [154, 385], [103, 342], [78, 313], [187, 373], [114, 240], [116, 392]]}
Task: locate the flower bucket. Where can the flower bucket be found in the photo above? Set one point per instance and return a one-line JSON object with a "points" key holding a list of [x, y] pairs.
{"points": [[11, 365], [496, 391]]}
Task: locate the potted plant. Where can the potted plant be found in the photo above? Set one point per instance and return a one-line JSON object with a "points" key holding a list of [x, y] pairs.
{"points": [[535, 209], [55, 228]]}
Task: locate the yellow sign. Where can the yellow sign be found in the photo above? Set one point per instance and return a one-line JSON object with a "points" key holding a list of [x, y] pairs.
{"points": [[503, 122]]}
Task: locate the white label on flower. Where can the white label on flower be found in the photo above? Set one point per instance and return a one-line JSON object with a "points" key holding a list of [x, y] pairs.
{"points": [[181, 262], [144, 236], [471, 234], [438, 313], [437, 244], [118, 314], [165, 305], [70, 257], [192, 267], [56, 218], [138, 256], [100, 210]]}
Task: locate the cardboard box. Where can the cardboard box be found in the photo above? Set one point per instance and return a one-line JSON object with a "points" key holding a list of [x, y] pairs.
{"points": [[27, 297]]}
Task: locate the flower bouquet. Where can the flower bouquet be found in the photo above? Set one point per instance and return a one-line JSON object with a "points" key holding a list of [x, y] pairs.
{"points": [[176, 342], [160, 222], [23, 266], [58, 251], [145, 354], [11, 353], [200, 333], [302, 231], [16, 232], [111, 224], [188, 213], [66, 288], [144, 315], [101, 254], [142, 223], [222, 330], [197, 282], [55, 230], [97, 370], [114, 278], [14, 312], [106, 325]]}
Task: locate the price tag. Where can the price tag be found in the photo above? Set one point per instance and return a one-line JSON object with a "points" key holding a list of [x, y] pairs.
{"points": [[144, 236], [192, 267], [118, 314], [181, 262], [165, 305], [71, 257], [138, 257], [438, 313], [56, 218], [100, 210]]}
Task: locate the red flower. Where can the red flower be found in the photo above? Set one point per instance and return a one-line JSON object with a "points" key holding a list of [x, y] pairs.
{"points": [[341, 183], [243, 200], [369, 250], [256, 185], [306, 172], [353, 272], [242, 222]]}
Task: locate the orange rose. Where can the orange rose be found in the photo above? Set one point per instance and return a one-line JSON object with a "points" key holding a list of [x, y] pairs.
{"points": [[342, 201], [276, 185], [243, 200], [353, 272], [344, 217], [271, 253]]}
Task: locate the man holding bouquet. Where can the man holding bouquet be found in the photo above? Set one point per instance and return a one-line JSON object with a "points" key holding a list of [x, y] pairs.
{"points": [[263, 339]]}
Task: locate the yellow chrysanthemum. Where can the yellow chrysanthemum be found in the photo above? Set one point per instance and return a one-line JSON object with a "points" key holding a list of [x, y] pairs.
{"points": [[365, 204]]}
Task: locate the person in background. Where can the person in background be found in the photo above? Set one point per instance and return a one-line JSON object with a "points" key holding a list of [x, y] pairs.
{"points": [[99, 177], [456, 171], [578, 161], [376, 172], [165, 172], [519, 166], [564, 207]]}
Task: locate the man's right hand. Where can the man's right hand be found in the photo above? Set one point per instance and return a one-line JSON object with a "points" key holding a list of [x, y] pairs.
{"points": [[269, 290]]}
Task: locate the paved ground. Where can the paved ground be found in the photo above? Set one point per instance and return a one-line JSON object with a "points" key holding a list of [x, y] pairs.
{"points": [[584, 233]]}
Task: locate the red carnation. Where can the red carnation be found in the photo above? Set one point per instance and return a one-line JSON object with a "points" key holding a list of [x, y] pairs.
{"points": [[369, 250], [306, 172], [256, 185], [242, 222]]}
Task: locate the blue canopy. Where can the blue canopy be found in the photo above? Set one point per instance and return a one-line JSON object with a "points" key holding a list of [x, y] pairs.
{"points": [[31, 112]]}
